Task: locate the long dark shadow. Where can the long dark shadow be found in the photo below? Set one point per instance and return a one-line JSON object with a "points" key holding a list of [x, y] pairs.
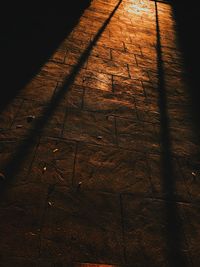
{"points": [[29, 34], [12, 167], [186, 15], [174, 234]]}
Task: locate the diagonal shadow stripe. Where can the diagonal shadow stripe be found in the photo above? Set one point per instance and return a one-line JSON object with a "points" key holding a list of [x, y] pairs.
{"points": [[174, 232], [12, 167]]}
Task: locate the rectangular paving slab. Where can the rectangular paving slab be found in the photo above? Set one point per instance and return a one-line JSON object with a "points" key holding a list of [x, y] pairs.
{"points": [[82, 226], [149, 230], [53, 163], [21, 214], [109, 169]]}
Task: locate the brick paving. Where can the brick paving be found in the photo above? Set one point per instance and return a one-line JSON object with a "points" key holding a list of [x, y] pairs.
{"points": [[99, 158]]}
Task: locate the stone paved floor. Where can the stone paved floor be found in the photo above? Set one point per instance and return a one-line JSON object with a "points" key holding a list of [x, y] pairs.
{"points": [[99, 158]]}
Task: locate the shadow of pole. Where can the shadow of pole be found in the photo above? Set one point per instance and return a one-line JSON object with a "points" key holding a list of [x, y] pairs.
{"points": [[174, 234], [13, 166], [186, 15]]}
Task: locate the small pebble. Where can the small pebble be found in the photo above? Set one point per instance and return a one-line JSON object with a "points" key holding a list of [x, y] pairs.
{"points": [[19, 126], [31, 233], [194, 175], [30, 118], [49, 203], [79, 185]]}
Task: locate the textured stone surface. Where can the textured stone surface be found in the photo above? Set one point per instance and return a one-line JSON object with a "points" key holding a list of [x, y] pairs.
{"points": [[119, 104], [101, 168], [99, 154], [108, 66], [140, 136], [191, 225], [39, 89], [8, 115], [53, 163], [15, 161], [146, 232], [21, 215], [89, 127], [180, 189], [86, 228]]}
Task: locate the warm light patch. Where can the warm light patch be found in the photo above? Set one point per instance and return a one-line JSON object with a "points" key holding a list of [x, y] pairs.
{"points": [[132, 8], [137, 7]]}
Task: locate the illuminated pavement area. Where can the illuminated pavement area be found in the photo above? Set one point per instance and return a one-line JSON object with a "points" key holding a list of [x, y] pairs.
{"points": [[99, 158]]}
